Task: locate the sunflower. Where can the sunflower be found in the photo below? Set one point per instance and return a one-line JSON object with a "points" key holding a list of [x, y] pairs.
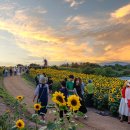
{"points": [[118, 96], [73, 102], [112, 100], [20, 124], [37, 107], [99, 97], [59, 98], [19, 98]]}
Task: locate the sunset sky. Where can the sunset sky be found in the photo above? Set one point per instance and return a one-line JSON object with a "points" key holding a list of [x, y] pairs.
{"points": [[64, 31]]}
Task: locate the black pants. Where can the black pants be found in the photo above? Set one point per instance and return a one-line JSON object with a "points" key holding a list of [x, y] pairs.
{"points": [[83, 108], [89, 100], [61, 113]]}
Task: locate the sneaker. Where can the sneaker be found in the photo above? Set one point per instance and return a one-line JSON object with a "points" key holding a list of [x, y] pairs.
{"points": [[85, 116]]}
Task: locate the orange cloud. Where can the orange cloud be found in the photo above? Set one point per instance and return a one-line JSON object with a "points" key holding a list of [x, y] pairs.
{"points": [[108, 40], [121, 12], [120, 54]]}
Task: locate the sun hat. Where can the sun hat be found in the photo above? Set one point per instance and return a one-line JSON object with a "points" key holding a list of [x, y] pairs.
{"points": [[128, 83], [42, 79]]}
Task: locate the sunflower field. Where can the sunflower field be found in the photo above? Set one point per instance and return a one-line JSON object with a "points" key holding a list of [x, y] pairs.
{"points": [[107, 92]]}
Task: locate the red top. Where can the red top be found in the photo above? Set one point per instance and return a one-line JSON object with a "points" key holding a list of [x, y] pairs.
{"points": [[123, 92]]}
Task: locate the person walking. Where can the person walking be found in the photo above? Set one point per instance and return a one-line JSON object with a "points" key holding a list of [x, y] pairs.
{"points": [[50, 83], [65, 79], [42, 92], [82, 86], [63, 90], [70, 85], [4, 72], [78, 91], [123, 108], [10, 71], [15, 71], [37, 79], [90, 93]]}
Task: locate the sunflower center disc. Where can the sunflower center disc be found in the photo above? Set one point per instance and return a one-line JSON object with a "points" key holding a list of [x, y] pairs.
{"points": [[19, 124], [74, 102], [60, 99], [37, 107]]}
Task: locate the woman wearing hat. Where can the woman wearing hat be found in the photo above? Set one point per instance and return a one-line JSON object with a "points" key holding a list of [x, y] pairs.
{"points": [[127, 98], [42, 92]]}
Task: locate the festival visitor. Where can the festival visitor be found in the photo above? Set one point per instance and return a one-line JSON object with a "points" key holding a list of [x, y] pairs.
{"points": [[6, 72], [37, 79], [77, 86], [90, 93], [15, 71], [63, 90], [42, 92], [70, 85], [10, 71], [50, 83], [123, 108], [65, 80], [82, 86]]}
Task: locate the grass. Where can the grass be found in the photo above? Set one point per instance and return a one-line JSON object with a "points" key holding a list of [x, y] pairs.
{"points": [[7, 98], [29, 80]]}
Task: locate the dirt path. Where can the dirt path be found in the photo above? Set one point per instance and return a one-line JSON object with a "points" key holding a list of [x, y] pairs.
{"points": [[17, 86]]}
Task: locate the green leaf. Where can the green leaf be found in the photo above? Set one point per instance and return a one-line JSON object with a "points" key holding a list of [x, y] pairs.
{"points": [[51, 126], [14, 128], [41, 122], [34, 116]]}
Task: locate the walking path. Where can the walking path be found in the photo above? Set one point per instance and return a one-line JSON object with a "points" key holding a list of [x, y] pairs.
{"points": [[17, 86]]}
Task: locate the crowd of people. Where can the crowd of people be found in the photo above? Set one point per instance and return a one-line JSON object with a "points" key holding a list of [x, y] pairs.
{"points": [[14, 71], [71, 86]]}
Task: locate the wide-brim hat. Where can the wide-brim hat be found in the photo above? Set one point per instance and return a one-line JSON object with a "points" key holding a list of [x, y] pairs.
{"points": [[42, 79], [128, 83]]}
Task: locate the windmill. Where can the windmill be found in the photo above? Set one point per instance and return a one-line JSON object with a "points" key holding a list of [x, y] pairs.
{"points": [[45, 63]]}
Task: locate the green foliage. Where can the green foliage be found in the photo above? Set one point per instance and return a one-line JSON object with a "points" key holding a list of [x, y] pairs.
{"points": [[101, 101], [116, 70], [27, 77]]}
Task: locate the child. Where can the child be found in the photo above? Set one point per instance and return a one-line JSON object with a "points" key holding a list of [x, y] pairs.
{"points": [[50, 84], [65, 92], [42, 92], [70, 85], [127, 99], [123, 108]]}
